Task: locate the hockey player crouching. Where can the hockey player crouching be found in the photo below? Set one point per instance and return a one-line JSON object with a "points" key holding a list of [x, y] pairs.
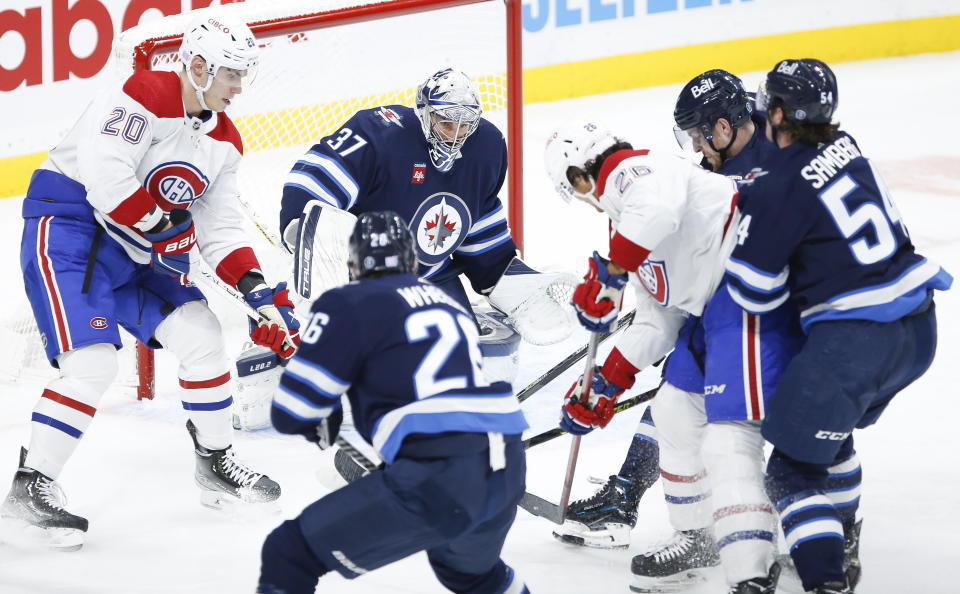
{"points": [[674, 223], [407, 357], [108, 237]]}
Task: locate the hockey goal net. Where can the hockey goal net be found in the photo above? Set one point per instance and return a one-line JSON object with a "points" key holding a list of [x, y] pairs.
{"points": [[322, 61]]}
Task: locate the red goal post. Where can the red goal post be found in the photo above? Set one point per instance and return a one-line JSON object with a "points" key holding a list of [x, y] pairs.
{"points": [[276, 130]]}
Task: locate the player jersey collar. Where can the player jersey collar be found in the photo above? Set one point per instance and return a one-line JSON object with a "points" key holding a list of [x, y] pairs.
{"points": [[611, 162]]}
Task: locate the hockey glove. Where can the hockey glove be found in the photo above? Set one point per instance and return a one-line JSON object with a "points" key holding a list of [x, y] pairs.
{"points": [[597, 298], [277, 328], [577, 417], [171, 247], [328, 429]]}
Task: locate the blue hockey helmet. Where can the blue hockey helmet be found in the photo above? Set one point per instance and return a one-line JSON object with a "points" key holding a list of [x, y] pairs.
{"points": [[807, 87], [448, 106], [708, 97], [381, 242]]}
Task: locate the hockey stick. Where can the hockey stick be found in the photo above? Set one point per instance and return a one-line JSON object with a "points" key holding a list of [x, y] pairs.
{"points": [[620, 407], [571, 359]]}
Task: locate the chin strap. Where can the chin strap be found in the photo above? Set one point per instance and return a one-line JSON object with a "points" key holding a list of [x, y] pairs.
{"points": [[200, 91], [588, 195], [723, 152]]}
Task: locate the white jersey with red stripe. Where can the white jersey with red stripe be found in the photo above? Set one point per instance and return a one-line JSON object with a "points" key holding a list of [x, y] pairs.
{"points": [[671, 227], [135, 147]]}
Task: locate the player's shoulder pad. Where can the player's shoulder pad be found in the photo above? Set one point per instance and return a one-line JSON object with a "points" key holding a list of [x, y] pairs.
{"points": [[226, 131], [158, 91]]}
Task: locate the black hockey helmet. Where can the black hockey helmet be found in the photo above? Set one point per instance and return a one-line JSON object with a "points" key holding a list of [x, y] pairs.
{"points": [[807, 87], [381, 242], [708, 97]]}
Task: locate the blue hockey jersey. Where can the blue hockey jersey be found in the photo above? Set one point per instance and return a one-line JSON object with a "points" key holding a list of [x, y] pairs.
{"points": [[408, 358], [745, 166], [819, 225], [378, 160]]}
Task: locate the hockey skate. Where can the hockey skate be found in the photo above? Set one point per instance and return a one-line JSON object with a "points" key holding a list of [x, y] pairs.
{"points": [[851, 553], [677, 563], [223, 479], [834, 588], [759, 585], [37, 503], [604, 520]]}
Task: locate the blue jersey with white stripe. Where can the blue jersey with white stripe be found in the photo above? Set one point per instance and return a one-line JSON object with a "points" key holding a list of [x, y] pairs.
{"points": [[820, 227], [744, 167], [408, 358], [378, 160]]}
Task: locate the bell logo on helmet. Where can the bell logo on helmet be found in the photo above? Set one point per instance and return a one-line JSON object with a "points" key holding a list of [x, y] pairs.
{"points": [[705, 87], [788, 68]]}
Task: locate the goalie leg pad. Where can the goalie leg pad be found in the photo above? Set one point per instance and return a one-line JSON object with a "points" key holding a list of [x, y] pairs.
{"points": [[537, 304], [258, 375], [320, 257], [499, 345]]}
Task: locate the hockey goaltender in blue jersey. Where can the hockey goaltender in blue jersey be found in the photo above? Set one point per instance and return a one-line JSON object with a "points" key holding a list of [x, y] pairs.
{"points": [[379, 160]]}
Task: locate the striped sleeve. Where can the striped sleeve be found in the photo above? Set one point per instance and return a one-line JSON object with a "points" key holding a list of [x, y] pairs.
{"points": [[755, 290]]}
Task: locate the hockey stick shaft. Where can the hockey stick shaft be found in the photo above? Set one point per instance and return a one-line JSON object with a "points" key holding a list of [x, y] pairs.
{"points": [[620, 407], [589, 399], [207, 280], [571, 359]]}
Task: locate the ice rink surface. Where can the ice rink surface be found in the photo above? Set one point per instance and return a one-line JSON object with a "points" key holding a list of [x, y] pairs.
{"points": [[132, 474]]}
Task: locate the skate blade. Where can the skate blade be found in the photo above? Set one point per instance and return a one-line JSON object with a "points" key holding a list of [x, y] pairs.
{"points": [[677, 582], [241, 506], [22, 534], [611, 536]]}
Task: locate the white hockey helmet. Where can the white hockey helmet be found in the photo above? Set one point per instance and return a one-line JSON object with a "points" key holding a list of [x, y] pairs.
{"points": [[454, 99], [222, 43], [574, 145]]}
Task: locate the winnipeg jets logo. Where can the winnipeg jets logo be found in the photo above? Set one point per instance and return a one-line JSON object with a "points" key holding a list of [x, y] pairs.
{"points": [[440, 226], [389, 116], [750, 177], [653, 275], [176, 184]]}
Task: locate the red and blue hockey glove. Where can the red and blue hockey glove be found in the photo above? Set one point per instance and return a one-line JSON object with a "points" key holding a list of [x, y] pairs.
{"points": [[597, 298], [171, 247], [277, 328], [577, 416]]}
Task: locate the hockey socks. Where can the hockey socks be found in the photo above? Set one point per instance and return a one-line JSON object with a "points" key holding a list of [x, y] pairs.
{"points": [[642, 463]]}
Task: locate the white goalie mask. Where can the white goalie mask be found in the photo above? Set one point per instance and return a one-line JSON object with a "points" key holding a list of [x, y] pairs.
{"points": [[448, 106], [227, 46], [574, 145]]}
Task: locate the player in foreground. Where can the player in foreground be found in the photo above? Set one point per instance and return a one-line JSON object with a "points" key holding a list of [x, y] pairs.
{"points": [[674, 225], [821, 229], [406, 355], [440, 166], [145, 179]]}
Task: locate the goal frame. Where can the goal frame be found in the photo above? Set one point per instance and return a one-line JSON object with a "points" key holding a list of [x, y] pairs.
{"points": [[144, 52]]}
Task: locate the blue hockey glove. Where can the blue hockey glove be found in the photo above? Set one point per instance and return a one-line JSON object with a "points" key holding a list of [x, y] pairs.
{"points": [[577, 416], [597, 298], [171, 248], [277, 328]]}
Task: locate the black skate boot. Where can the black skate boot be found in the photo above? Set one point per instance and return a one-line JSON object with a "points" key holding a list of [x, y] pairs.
{"points": [[604, 520], [834, 588], [219, 473], [37, 501], [675, 564], [759, 585], [851, 552]]}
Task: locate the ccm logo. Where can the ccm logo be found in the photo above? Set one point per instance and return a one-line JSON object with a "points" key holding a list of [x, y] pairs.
{"points": [[178, 246], [715, 389], [831, 435], [98, 323]]}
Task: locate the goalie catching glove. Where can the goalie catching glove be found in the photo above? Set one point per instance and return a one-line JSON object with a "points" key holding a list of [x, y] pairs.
{"points": [[577, 417], [277, 328], [535, 302], [597, 298]]}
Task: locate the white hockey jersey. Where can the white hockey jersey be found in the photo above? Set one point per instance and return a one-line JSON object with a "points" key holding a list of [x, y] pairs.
{"points": [[136, 147], [673, 226]]}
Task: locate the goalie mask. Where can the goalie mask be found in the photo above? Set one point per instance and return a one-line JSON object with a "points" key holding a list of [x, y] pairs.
{"points": [[572, 147], [381, 242], [448, 106], [228, 47]]}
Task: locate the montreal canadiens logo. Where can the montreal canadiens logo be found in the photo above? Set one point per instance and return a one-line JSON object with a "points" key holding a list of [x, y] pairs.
{"points": [[440, 226], [176, 184], [98, 323], [653, 275]]}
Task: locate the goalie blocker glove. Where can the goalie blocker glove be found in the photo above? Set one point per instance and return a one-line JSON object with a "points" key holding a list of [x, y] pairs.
{"points": [[576, 416], [171, 247], [597, 298], [277, 328]]}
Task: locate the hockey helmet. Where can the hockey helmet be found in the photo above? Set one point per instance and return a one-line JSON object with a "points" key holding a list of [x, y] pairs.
{"points": [[381, 242], [708, 97], [222, 43], [448, 106], [807, 87], [574, 145]]}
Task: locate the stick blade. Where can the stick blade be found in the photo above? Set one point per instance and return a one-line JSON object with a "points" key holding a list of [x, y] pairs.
{"points": [[542, 508]]}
